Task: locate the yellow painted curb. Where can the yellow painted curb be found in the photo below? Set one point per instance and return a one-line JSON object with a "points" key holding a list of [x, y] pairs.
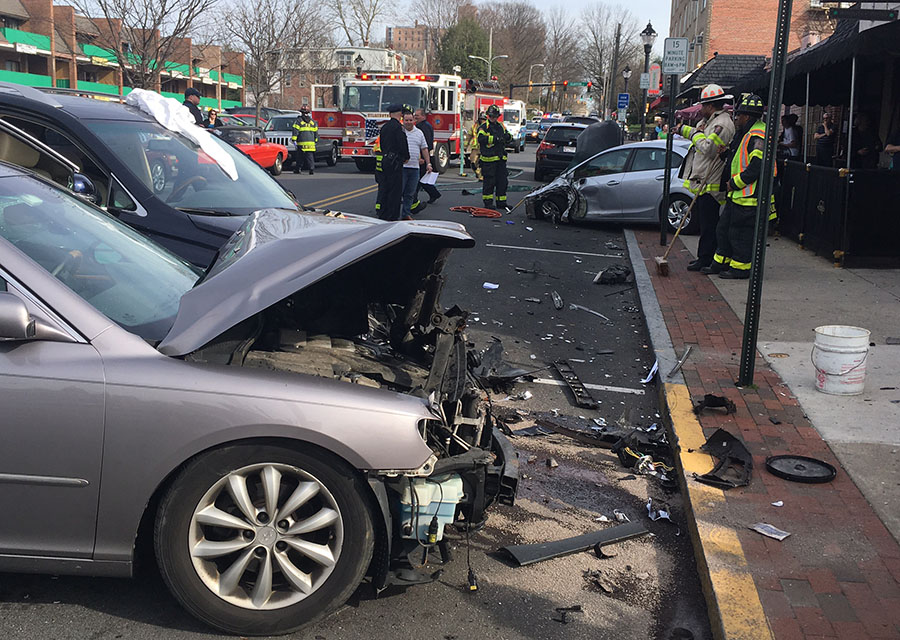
{"points": [[735, 610]]}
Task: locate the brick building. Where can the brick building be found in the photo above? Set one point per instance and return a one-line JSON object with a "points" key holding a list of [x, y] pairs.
{"points": [[304, 68], [744, 27], [48, 45]]}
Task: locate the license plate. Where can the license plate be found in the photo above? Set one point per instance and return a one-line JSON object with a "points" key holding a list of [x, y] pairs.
{"points": [[569, 149]]}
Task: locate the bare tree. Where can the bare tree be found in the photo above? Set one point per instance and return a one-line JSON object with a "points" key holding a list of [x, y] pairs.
{"points": [[437, 16], [519, 33], [358, 18], [562, 43], [267, 32], [143, 32], [599, 53]]}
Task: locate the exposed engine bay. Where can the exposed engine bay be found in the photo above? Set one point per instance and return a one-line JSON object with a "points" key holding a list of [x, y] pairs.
{"points": [[360, 327]]}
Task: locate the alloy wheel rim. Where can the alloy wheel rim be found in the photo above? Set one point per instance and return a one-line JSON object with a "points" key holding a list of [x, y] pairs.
{"points": [[265, 536], [159, 177], [549, 208], [678, 209]]}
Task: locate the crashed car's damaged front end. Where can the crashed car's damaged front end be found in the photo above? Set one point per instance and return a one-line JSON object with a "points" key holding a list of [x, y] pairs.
{"points": [[362, 307]]}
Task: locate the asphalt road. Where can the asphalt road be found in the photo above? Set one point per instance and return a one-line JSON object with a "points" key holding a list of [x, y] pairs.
{"points": [[650, 587]]}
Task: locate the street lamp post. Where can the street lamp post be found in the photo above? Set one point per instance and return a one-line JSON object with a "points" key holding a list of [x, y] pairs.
{"points": [[648, 37], [490, 59], [626, 74]]}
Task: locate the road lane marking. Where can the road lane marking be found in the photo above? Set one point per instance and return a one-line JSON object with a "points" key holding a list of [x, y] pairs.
{"points": [[574, 253], [595, 387], [344, 196]]}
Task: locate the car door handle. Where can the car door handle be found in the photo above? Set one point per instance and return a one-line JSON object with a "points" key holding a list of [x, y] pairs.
{"points": [[612, 183], [661, 178]]}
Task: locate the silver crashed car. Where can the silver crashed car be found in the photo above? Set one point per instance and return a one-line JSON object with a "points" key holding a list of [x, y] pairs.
{"points": [[621, 184], [297, 417]]}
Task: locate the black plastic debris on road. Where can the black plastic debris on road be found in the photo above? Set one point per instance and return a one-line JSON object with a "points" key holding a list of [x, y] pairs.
{"points": [[492, 371], [581, 395], [613, 274], [711, 401], [800, 469], [526, 554], [735, 461]]}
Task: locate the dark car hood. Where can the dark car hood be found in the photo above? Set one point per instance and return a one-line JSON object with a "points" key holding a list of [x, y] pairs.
{"points": [[277, 253]]}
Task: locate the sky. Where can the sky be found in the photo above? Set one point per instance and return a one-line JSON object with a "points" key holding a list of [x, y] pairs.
{"points": [[656, 11]]}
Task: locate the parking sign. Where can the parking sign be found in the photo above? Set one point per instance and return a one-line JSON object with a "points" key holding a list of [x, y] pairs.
{"points": [[675, 53], [624, 99]]}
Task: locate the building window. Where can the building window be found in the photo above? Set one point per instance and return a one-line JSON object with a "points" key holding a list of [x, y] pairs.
{"points": [[10, 23], [345, 59], [304, 101], [11, 65]]}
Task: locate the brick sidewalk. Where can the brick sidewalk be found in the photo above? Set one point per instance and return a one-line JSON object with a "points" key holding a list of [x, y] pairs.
{"points": [[838, 574]]}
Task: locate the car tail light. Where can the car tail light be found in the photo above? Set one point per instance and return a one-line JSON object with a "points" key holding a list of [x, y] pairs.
{"points": [[546, 146]]}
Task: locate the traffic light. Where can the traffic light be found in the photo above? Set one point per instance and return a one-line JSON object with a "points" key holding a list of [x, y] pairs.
{"points": [[565, 85], [553, 86], [589, 85], [530, 86]]}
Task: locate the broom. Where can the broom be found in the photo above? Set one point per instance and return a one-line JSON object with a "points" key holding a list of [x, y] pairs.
{"points": [[662, 263]]}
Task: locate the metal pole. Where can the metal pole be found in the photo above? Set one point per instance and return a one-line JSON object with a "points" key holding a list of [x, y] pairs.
{"points": [[664, 212], [806, 122], [764, 194], [644, 93], [852, 100], [490, 59]]}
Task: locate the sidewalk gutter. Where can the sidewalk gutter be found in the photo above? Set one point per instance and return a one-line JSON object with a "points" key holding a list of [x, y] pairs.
{"points": [[732, 600]]}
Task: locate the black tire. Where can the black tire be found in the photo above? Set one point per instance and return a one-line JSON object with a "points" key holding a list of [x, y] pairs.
{"points": [[551, 207], [338, 486], [366, 165], [276, 168], [441, 158], [678, 205], [538, 175], [333, 156]]}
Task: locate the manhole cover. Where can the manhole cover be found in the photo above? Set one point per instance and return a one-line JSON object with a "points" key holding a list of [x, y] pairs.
{"points": [[801, 469]]}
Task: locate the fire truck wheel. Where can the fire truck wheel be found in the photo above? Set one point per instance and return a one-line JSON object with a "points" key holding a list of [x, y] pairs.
{"points": [[366, 165], [333, 156], [441, 158]]}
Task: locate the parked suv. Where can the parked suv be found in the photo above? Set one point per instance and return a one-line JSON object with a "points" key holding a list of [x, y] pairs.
{"points": [[153, 179], [279, 131], [556, 150]]}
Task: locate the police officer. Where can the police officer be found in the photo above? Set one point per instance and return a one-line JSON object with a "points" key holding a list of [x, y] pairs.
{"points": [[305, 137], [191, 100], [737, 225], [702, 168], [492, 140], [394, 152]]}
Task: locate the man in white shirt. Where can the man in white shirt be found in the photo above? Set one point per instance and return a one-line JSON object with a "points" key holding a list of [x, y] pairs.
{"points": [[791, 137], [418, 154]]}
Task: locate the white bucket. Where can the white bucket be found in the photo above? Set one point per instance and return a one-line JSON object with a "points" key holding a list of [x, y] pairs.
{"points": [[839, 357]]}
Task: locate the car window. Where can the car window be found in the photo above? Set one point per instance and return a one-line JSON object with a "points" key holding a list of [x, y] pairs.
{"points": [[563, 135], [184, 176], [25, 156], [280, 124], [653, 159], [133, 281], [605, 164]]}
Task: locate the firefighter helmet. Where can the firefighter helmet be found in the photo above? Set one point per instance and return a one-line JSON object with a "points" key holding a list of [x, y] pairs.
{"points": [[304, 110], [493, 111], [714, 93], [751, 105], [482, 117]]}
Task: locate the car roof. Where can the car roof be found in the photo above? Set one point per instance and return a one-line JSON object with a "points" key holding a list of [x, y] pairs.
{"points": [[568, 125], [80, 107]]}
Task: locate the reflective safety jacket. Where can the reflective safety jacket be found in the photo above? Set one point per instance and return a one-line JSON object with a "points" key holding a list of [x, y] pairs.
{"points": [[746, 167], [376, 149], [492, 140], [306, 134], [703, 165]]}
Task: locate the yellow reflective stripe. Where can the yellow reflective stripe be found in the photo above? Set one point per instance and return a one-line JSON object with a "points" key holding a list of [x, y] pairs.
{"points": [[756, 153], [686, 131], [720, 259], [740, 184], [698, 137], [490, 158], [715, 138], [740, 266]]}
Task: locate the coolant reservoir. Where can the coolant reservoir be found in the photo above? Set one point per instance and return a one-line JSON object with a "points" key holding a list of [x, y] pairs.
{"points": [[421, 499]]}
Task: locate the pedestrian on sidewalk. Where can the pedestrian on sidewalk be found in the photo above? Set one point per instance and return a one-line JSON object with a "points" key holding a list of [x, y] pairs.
{"points": [[737, 224], [702, 168], [305, 137], [824, 136], [492, 141], [191, 100], [428, 131], [394, 153], [418, 155]]}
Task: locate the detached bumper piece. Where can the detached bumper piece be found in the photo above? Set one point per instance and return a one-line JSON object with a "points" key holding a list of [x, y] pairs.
{"points": [[582, 398], [525, 554]]}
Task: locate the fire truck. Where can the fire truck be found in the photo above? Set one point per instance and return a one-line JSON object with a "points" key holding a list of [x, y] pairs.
{"points": [[365, 99]]}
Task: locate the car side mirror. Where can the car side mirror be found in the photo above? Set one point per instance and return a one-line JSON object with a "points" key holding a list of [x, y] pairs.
{"points": [[261, 140], [15, 322], [83, 187]]}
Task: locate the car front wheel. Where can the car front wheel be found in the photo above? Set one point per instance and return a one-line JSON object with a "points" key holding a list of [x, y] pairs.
{"points": [[277, 165], [679, 206], [158, 176], [261, 539], [333, 155]]}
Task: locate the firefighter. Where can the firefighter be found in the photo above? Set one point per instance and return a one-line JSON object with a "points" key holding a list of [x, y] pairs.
{"points": [[492, 140], [376, 149], [394, 152], [702, 168], [473, 149], [737, 225], [305, 137]]}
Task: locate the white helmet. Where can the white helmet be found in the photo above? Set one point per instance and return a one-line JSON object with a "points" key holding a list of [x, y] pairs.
{"points": [[714, 93]]}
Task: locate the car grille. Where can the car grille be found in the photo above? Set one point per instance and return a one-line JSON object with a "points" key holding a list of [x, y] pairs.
{"points": [[278, 138]]}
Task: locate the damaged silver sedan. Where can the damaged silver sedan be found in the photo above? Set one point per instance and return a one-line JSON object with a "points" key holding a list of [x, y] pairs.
{"points": [[621, 184], [298, 417]]}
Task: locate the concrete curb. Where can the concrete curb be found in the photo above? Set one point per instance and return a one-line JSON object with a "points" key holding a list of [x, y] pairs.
{"points": [[733, 603]]}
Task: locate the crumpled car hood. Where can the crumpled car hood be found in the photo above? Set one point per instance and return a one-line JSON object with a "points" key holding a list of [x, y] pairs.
{"points": [[277, 253]]}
